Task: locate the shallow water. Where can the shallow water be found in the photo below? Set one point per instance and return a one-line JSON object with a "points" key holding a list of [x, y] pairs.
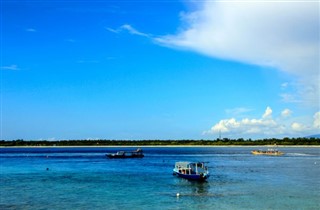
{"points": [[83, 178]]}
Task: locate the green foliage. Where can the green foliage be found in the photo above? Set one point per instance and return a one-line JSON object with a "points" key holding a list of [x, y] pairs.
{"points": [[217, 142]]}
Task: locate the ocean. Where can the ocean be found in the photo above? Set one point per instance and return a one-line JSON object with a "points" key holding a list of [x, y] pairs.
{"points": [[83, 178]]}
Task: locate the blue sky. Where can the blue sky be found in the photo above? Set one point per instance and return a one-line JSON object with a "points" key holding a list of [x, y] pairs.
{"points": [[159, 69]]}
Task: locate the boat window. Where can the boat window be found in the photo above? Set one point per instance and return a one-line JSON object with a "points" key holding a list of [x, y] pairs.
{"points": [[199, 165]]}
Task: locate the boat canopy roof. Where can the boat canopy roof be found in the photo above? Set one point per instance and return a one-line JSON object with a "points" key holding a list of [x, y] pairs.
{"points": [[186, 164]]}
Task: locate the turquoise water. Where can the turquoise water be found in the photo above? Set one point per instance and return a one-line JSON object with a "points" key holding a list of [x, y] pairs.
{"points": [[83, 178]]}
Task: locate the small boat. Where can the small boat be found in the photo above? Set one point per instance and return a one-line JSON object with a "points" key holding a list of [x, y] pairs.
{"points": [[191, 170], [272, 152], [124, 154]]}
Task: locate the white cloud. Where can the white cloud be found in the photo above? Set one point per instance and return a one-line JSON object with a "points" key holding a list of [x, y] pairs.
{"points": [[130, 29], [246, 125], [286, 113], [237, 111], [11, 67], [88, 61], [316, 122], [267, 113], [113, 30], [289, 98], [283, 35], [31, 30], [279, 34], [266, 126], [70, 40], [225, 125], [284, 85], [297, 127]]}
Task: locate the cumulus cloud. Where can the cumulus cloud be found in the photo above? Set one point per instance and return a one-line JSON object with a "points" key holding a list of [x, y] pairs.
{"points": [[286, 113], [316, 122], [280, 34], [265, 126], [297, 127], [267, 113]]}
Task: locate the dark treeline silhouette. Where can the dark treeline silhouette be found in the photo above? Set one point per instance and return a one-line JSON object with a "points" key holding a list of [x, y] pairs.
{"points": [[217, 142]]}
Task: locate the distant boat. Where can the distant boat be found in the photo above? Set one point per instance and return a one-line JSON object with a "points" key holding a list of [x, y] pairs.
{"points": [[125, 154], [191, 170], [271, 152]]}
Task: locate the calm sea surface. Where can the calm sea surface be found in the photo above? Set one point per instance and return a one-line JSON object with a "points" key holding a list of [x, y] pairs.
{"points": [[83, 178]]}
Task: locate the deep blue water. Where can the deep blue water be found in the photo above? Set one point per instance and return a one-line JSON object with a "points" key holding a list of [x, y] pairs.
{"points": [[83, 178]]}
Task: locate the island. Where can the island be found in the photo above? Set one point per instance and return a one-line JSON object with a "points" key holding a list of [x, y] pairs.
{"points": [[183, 142]]}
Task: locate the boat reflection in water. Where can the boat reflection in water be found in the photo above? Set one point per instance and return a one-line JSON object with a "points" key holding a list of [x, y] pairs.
{"points": [[124, 154]]}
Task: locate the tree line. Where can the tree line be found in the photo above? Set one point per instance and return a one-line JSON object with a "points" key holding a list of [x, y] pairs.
{"points": [[216, 142]]}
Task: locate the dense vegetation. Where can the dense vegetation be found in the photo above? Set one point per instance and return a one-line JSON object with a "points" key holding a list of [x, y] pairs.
{"points": [[217, 142]]}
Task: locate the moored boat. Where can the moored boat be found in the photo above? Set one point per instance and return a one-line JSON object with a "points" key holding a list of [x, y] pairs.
{"points": [[191, 170], [271, 152], [125, 154]]}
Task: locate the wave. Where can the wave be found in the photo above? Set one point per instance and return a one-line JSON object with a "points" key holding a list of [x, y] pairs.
{"points": [[54, 156], [299, 154]]}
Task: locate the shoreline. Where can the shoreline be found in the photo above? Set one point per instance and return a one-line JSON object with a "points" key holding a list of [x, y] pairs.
{"points": [[164, 146]]}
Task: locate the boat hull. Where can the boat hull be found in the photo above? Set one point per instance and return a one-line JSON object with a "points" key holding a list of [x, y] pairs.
{"points": [[191, 170], [124, 154], [196, 177], [267, 153], [113, 156]]}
